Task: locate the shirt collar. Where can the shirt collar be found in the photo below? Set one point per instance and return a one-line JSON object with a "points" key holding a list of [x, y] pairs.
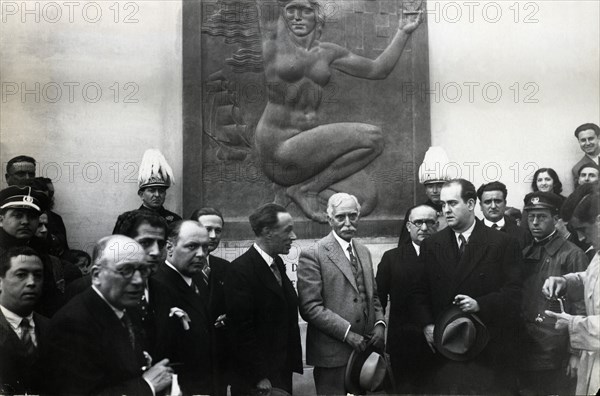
{"points": [[595, 158], [417, 248], [268, 259], [118, 312], [467, 233], [15, 320], [488, 223], [186, 279], [343, 243], [545, 239]]}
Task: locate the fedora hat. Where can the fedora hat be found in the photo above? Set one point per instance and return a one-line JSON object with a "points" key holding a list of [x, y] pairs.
{"points": [[458, 335], [366, 371]]}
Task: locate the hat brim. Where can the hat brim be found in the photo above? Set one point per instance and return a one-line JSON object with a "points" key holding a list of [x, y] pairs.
{"points": [[351, 376], [481, 340], [21, 205]]}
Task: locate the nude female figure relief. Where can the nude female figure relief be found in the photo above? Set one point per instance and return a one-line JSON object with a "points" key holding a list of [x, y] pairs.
{"points": [[311, 159]]}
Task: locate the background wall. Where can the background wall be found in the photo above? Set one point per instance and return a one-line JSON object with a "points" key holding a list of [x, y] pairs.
{"points": [[92, 148], [92, 142], [543, 56]]}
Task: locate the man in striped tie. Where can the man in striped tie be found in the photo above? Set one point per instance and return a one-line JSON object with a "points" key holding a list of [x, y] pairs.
{"points": [[338, 297]]}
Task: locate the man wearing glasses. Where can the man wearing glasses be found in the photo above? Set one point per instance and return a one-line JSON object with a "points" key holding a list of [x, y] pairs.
{"points": [[398, 270], [93, 343], [338, 297], [547, 365]]}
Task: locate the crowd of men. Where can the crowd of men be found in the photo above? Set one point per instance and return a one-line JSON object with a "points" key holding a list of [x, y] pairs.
{"points": [[154, 312]]}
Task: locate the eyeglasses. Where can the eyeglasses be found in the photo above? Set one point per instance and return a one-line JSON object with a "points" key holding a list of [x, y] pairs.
{"points": [[419, 223], [342, 217], [127, 270]]}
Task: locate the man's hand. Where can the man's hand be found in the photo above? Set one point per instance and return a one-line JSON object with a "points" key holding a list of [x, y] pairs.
{"points": [[377, 337], [356, 341], [572, 366], [264, 387], [428, 333], [466, 303], [159, 375], [554, 286], [562, 319]]}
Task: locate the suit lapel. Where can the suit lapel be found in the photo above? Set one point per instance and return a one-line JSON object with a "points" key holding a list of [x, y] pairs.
{"points": [[264, 273], [365, 262], [176, 282], [338, 258], [476, 247], [446, 251], [9, 337]]}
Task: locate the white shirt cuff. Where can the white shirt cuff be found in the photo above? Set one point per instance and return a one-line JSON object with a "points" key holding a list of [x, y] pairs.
{"points": [[382, 322], [151, 386], [347, 331]]}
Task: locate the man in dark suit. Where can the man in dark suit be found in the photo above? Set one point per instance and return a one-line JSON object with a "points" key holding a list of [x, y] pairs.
{"points": [[93, 346], [22, 331], [213, 221], [476, 269], [398, 271], [338, 297], [184, 328], [492, 201], [588, 137], [263, 308]]}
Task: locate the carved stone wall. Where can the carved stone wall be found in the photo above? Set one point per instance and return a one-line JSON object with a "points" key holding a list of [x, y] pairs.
{"points": [[225, 94]]}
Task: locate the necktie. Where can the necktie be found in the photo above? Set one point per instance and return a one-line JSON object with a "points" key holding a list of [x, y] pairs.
{"points": [[462, 246], [26, 336], [126, 321], [206, 272], [353, 260], [275, 270], [495, 226]]}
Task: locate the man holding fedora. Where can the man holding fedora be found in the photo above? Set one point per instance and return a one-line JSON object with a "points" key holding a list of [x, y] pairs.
{"points": [[338, 297], [546, 364], [476, 269]]}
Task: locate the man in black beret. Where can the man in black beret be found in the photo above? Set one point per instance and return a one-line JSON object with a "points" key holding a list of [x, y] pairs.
{"points": [[546, 365], [20, 209]]}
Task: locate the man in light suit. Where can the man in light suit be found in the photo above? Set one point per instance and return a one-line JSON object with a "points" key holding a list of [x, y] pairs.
{"points": [[477, 269], [263, 308], [22, 331], [338, 297]]}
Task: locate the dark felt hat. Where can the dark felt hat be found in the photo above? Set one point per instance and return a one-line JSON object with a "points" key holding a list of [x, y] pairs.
{"points": [[458, 335], [366, 371], [15, 197], [542, 200]]}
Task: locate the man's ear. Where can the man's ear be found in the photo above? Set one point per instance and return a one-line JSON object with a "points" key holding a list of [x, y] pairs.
{"points": [[471, 204], [95, 273], [1, 220], [140, 192], [169, 247]]}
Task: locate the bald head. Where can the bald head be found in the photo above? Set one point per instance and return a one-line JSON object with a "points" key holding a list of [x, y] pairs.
{"points": [[119, 270], [187, 246]]}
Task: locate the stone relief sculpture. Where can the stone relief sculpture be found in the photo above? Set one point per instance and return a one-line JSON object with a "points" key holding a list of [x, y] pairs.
{"points": [[309, 158]]}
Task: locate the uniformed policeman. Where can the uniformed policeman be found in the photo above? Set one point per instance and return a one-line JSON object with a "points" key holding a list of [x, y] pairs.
{"points": [[155, 177]]}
